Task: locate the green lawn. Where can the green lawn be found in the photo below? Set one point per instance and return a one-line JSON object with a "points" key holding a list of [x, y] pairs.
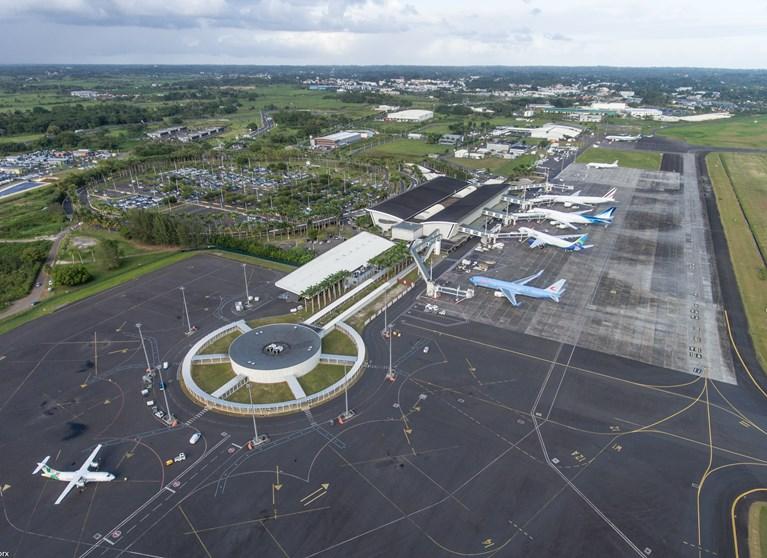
{"points": [[210, 377], [338, 343], [321, 377], [262, 393], [36, 213], [647, 160], [406, 149], [221, 346], [21, 138], [496, 165], [744, 177], [738, 131]]}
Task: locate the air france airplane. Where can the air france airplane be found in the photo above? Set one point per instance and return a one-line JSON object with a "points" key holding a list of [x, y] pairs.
{"points": [[512, 289], [563, 219], [77, 478], [570, 242], [570, 200]]}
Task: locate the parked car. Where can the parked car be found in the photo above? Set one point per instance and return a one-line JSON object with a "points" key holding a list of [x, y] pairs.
{"points": [[195, 438]]}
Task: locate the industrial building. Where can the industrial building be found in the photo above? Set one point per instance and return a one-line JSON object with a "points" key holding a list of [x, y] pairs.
{"points": [[340, 139], [167, 133], [442, 204], [410, 115]]}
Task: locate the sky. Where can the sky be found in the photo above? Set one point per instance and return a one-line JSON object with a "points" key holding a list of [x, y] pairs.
{"points": [[700, 33]]}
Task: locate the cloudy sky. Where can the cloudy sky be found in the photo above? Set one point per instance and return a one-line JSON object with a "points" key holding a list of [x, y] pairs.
{"points": [[442, 32]]}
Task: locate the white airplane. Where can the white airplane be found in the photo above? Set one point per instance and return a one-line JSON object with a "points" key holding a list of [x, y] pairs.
{"points": [[573, 200], [563, 219], [570, 242], [77, 478], [613, 165], [623, 138], [512, 289]]}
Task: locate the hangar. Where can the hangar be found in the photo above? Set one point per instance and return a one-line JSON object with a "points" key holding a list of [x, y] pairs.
{"points": [[442, 204]]}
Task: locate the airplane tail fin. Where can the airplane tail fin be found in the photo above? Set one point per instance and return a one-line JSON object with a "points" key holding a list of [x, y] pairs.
{"points": [[42, 465], [556, 289], [609, 195], [606, 215], [615, 163], [580, 243]]}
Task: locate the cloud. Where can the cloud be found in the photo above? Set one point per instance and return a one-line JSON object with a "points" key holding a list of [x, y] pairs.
{"points": [[587, 32]]}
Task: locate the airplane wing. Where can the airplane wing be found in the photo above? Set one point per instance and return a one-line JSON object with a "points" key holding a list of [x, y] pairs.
{"points": [[526, 280], [569, 236], [511, 296], [86, 466], [537, 242], [66, 491]]}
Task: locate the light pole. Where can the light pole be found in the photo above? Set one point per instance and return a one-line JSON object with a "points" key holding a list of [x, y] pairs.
{"points": [[263, 438], [143, 346], [245, 275], [165, 394], [186, 311]]}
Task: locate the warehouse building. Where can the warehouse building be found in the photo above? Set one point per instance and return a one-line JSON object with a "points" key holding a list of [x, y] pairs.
{"points": [[442, 204], [333, 141], [410, 115]]}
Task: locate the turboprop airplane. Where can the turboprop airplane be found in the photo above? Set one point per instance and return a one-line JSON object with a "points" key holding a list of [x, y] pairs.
{"points": [[563, 219], [623, 138], [77, 478], [575, 199], [570, 242], [512, 289], [613, 165]]}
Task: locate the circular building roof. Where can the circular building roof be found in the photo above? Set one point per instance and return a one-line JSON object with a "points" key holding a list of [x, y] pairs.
{"points": [[275, 347]]}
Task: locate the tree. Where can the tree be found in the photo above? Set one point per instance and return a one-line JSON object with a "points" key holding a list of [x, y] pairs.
{"points": [[108, 253], [71, 275]]}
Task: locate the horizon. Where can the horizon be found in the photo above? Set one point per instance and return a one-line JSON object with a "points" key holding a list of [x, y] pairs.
{"points": [[383, 32]]}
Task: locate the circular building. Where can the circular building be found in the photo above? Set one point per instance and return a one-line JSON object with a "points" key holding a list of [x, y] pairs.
{"points": [[272, 353]]}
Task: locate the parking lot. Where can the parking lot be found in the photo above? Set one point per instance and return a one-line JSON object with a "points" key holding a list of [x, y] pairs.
{"points": [[647, 290]]}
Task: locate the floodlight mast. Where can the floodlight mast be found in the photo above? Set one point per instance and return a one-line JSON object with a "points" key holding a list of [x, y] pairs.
{"points": [[143, 346], [186, 312]]}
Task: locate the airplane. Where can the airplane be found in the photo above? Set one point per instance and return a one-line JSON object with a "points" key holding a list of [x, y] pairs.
{"points": [[571, 242], [512, 289], [77, 478], [563, 219], [613, 165], [623, 138], [575, 199]]}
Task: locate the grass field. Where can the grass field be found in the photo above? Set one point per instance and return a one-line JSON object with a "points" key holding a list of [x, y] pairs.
{"points": [[321, 377], [210, 377], [262, 393], [221, 346], [405, 149], [501, 167], [738, 131], [740, 184], [646, 160], [22, 138], [34, 214], [338, 343]]}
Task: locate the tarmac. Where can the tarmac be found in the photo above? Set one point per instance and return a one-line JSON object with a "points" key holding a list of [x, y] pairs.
{"points": [[491, 442], [647, 290]]}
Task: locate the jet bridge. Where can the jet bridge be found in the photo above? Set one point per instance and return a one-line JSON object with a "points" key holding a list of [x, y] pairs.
{"points": [[420, 250]]}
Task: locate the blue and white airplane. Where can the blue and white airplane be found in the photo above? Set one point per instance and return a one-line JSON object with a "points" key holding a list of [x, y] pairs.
{"points": [[569, 242], [512, 289], [563, 219]]}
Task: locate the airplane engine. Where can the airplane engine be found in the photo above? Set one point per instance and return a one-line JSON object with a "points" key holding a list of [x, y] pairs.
{"points": [[94, 465], [81, 484], [568, 204]]}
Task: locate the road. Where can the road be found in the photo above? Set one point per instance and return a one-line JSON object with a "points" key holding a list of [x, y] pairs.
{"points": [[38, 292]]}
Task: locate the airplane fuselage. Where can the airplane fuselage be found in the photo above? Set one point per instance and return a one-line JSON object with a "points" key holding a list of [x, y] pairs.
{"points": [[519, 290]]}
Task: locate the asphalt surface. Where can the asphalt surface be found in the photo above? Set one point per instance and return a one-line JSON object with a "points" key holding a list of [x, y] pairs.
{"points": [[491, 442]]}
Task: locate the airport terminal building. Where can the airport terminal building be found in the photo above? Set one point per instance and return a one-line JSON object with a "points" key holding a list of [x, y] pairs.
{"points": [[442, 204]]}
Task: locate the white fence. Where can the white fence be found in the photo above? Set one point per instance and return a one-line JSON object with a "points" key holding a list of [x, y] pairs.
{"points": [[267, 409]]}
